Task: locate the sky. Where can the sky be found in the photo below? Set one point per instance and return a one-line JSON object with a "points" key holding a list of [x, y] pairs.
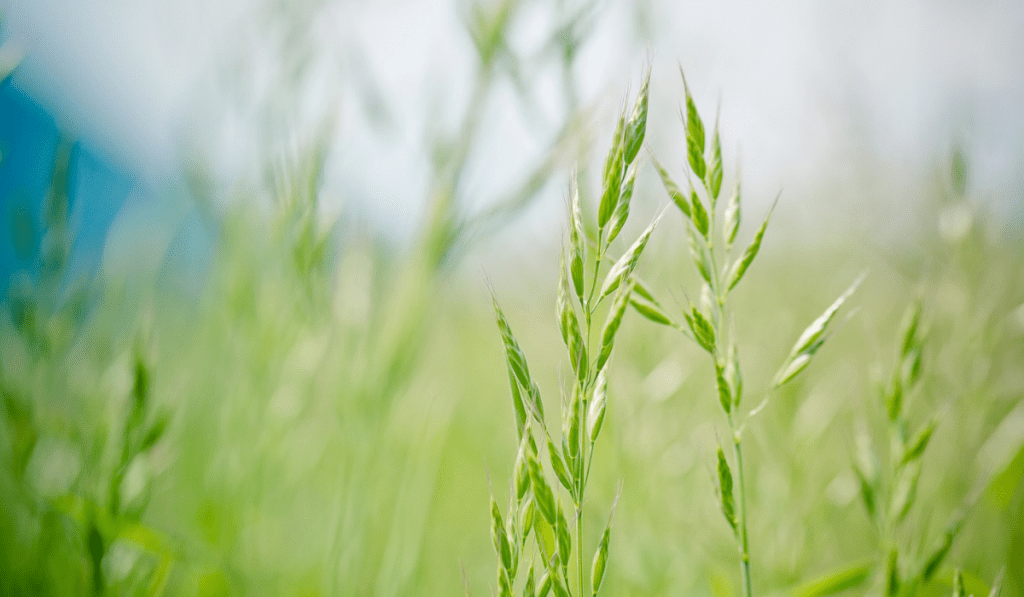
{"points": [[813, 95]]}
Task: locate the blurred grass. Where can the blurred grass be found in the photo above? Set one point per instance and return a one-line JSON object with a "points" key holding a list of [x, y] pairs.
{"points": [[307, 453], [320, 418]]}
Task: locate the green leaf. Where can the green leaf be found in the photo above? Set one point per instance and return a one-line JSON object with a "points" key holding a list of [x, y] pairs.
{"points": [[564, 538], [575, 420], [499, 537], [558, 465], [624, 267], [600, 563], [702, 330], [516, 362], [714, 178], [733, 374], [612, 323], [894, 398], [812, 338], [700, 215], [578, 253], [724, 392], [808, 340], [694, 133], [905, 491], [618, 219], [731, 220], [931, 565], [634, 134], [569, 326], [521, 473], [595, 412], [651, 312], [911, 321], [699, 254], [613, 169], [545, 586], [743, 263], [725, 488], [542, 493], [919, 443], [672, 189], [529, 590]]}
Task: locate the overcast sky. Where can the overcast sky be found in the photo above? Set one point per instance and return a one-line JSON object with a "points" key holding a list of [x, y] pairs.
{"points": [[809, 90]]}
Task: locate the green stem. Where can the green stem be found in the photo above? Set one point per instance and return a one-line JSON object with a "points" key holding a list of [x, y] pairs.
{"points": [[744, 542], [579, 546]]}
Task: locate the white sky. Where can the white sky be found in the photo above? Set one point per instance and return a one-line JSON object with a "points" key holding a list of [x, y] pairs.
{"points": [[812, 91]]}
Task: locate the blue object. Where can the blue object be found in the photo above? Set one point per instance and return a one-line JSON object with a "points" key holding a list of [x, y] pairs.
{"points": [[29, 144]]}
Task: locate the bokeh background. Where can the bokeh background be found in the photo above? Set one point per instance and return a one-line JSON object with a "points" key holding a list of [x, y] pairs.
{"points": [[246, 337]]}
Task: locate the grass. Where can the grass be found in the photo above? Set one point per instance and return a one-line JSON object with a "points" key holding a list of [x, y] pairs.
{"points": [[321, 420]]}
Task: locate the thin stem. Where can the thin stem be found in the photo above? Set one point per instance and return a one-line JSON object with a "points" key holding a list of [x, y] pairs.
{"points": [[579, 546], [748, 590]]}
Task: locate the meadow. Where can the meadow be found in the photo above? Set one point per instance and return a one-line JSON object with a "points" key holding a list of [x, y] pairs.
{"points": [[329, 415]]}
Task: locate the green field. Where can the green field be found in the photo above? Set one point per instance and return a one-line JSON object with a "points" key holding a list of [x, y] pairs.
{"points": [[325, 414]]}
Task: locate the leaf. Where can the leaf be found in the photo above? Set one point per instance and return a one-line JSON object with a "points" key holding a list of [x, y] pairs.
{"points": [[529, 589], [569, 326], [564, 539], [812, 339], [600, 562], [516, 361], [894, 398], [731, 220], [499, 537], [700, 255], [618, 219], [543, 496], [595, 412], [919, 443], [624, 267], [517, 401], [733, 375], [911, 321], [521, 473], [931, 565], [651, 312], [558, 465], [614, 165], [694, 133], [558, 584], [808, 339], [672, 189], [573, 434], [634, 134], [578, 252], [612, 323], [700, 215], [725, 488], [834, 582], [701, 328], [504, 584], [724, 392], [906, 491], [545, 586], [743, 263], [714, 178]]}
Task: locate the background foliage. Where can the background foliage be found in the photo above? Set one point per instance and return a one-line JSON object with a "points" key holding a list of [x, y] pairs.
{"points": [[319, 415]]}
